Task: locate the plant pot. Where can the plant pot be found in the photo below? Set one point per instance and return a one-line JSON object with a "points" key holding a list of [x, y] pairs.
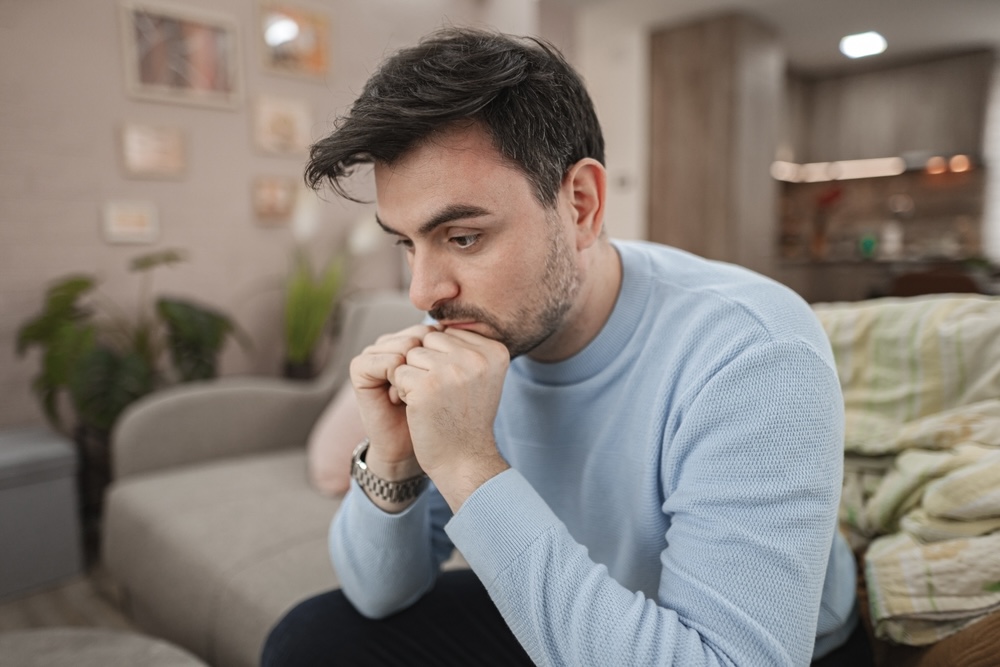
{"points": [[299, 370], [93, 476]]}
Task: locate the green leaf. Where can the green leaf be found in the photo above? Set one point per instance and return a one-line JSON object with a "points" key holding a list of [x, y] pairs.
{"points": [[37, 331], [61, 307], [309, 302], [105, 382], [195, 336], [63, 295], [155, 259], [992, 588], [70, 343]]}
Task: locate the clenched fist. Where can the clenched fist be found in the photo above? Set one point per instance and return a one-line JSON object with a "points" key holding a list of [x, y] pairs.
{"points": [[451, 386], [428, 398], [390, 455]]}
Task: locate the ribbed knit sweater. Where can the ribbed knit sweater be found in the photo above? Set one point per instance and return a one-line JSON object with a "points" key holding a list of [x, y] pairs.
{"points": [[673, 492]]}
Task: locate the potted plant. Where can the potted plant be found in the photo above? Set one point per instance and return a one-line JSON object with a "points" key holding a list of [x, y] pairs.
{"points": [[310, 300], [98, 360]]}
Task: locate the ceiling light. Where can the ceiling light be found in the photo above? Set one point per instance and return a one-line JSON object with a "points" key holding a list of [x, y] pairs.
{"points": [[863, 44]]}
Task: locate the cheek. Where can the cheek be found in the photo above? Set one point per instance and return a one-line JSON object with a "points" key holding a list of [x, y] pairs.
{"points": [[520, 269], [492, 286]]}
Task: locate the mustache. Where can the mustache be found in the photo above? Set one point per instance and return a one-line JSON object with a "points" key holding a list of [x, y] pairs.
{"points": [[460, 313]]}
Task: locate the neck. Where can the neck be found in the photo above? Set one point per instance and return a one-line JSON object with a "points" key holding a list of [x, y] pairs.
{"points": [[601, 279]]}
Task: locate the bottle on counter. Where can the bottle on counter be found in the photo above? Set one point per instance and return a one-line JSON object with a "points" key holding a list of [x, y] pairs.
{"points": [[891, 241]]}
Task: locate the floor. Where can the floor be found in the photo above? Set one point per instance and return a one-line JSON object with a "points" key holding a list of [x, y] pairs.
{"points": [[84, 601]]}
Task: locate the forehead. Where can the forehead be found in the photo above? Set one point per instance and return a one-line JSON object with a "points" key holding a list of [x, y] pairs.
{"points": [[455, 166]]}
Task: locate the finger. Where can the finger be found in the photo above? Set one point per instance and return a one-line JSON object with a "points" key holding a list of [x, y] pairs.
{"points": [[406, 379], [451, 339], [372, 370], [424, 358], [419, 330], [394, 396], [401, 341]]}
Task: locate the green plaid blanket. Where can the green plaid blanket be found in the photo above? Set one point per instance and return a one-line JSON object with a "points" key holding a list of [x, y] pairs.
{"points": [[921, 383]]}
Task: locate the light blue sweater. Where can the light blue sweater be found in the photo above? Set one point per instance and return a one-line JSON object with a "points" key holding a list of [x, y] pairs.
{"points": [[674, 490]]}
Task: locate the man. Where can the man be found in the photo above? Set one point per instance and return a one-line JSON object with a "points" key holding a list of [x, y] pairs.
{"points": [[637, 451]]}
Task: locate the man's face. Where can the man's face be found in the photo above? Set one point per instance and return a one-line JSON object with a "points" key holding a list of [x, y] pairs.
{"points": [[484, 253]]}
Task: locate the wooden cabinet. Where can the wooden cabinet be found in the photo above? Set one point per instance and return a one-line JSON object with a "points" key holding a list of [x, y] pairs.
{"points": [[715, 103], [937, 106]]}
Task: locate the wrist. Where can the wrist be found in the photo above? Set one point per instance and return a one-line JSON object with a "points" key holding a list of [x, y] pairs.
{"points": [[459, 482], [391, 469], [391, 495]]}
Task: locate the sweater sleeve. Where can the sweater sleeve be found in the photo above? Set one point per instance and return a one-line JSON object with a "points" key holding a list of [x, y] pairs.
{"points": [[750, 474], [386, 562]]}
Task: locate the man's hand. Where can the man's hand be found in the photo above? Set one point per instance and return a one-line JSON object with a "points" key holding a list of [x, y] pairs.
{"points": [[390, 455], [451, 385]]}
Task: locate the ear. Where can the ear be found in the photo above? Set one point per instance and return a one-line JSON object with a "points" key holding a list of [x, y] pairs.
{"points": [[584, 189]]}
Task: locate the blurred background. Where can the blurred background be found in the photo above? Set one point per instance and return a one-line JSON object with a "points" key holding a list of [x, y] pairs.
{"points": [[736, 129]]}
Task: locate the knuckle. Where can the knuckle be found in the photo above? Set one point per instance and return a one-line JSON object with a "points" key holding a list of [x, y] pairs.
{"points": [[479, 364]]}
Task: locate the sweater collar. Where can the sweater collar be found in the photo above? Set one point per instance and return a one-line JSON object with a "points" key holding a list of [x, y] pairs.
{"points": [[613, 337]]}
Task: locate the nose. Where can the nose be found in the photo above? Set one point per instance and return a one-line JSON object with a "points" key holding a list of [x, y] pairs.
{"points": [[431, 282]]}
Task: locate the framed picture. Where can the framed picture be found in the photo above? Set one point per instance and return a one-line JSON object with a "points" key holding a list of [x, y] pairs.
{"points": [[153, 152], [282, 126], [274, 199], [131, 222], [182, 55], [294, 40]]}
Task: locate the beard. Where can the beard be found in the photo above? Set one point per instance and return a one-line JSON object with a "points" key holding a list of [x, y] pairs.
{"points": [[542, 313]]}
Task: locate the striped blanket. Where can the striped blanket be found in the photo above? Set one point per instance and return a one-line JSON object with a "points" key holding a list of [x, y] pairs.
{"points": [[921, 382]]}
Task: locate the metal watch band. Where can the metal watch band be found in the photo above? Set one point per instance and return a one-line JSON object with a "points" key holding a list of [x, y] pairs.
{"points": [[393, 492]]}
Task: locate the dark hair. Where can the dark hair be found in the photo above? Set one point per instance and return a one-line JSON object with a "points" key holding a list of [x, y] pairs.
{"points": [[522, 90]]}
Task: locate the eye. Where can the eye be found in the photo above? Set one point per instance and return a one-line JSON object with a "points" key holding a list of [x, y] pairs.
{"points": [[465, 241], [405, 243]]}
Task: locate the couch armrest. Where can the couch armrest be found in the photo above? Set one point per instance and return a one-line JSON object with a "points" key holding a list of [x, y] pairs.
{"points": [[211, 420], [197, 422]]}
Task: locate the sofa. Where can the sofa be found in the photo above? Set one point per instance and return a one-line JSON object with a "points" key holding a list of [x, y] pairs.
{"points": [[213, 527]]}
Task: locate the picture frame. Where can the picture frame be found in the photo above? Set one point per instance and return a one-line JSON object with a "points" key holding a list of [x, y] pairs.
{"points": [[131, 222], [180, 55], [274, 199], [152, 151], [282, 125], [293, 40]]}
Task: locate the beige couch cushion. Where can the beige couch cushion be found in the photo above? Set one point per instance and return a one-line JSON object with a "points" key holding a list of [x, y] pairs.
{"points": [[88, 647], [209, 557]]}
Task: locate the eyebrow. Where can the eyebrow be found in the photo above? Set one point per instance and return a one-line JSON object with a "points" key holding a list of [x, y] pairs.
{"points": [[445, 215]]}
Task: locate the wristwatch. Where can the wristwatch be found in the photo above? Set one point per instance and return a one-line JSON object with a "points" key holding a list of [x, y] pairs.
{"points": [[393, 492]]}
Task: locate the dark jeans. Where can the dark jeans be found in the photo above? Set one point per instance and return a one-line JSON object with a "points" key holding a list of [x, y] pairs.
{"points": [[856, 652], [455, 624]]}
